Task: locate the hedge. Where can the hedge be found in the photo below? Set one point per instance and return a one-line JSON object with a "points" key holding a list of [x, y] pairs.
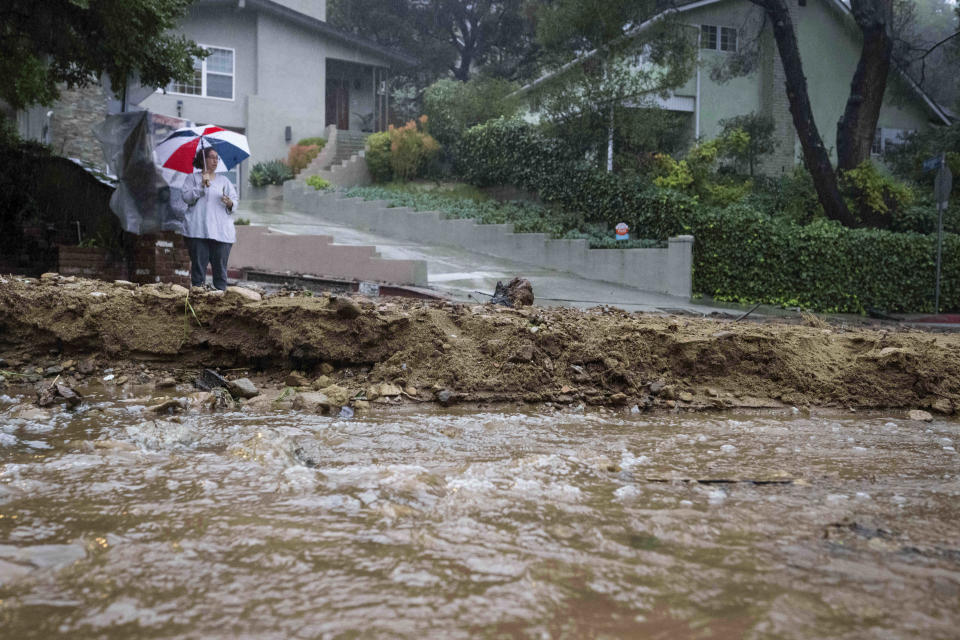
{"points": [[740, 253], [743, 255]]}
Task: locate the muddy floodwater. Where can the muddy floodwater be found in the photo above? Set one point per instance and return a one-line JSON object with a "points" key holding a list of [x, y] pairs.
{"points": [[462, 524]]}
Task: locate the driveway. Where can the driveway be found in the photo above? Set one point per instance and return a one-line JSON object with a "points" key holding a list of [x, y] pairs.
{"points": [[467, 276]]}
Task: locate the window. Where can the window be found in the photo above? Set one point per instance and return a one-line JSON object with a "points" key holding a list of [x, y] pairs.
{"points": [[708, 37], [212, 77], [728, 39], [886, 140], [718, 38]]}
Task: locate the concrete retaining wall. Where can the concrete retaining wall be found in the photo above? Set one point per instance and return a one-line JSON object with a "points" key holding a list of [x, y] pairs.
{"points": [[261, 249], [666, 270]]}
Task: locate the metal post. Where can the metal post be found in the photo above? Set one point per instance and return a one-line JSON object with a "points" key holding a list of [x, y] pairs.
{"points": [[936, 296], [941, 190], [610, 143]]}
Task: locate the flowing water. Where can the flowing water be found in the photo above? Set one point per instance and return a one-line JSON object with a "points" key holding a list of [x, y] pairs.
{"points": [[447, 524]]}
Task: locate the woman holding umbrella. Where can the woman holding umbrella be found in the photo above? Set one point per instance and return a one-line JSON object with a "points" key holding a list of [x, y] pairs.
{"points": [[208, 229]]}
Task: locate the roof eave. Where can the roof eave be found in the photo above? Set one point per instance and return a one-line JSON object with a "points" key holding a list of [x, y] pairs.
{"points": [[322, 27]]}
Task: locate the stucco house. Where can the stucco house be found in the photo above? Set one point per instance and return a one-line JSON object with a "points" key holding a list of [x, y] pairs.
{"points": [[278, 72], [829, 42]]}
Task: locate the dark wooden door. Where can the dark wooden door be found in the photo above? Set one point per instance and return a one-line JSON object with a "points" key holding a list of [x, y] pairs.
{"points": [[338, 104]]}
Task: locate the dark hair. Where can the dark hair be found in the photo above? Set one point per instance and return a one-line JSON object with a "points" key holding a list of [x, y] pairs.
{"points": [[198, 159]]}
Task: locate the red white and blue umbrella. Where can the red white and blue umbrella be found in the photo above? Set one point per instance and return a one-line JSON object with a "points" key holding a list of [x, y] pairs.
{"points": [[177, 150]]}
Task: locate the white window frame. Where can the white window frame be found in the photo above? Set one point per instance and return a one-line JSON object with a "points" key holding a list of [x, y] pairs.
{"points": [[893, 135], [203, 77], [719, 34]]}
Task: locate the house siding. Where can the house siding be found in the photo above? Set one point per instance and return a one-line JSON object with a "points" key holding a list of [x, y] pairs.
{"points": [[829, 48], [280, 72]]}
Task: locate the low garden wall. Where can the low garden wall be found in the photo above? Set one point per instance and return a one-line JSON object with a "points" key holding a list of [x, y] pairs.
{"points": [[663, 270], [258, 248]]}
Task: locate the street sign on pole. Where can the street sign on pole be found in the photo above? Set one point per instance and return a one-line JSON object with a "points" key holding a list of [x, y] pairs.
{"points": [[942, 184]]}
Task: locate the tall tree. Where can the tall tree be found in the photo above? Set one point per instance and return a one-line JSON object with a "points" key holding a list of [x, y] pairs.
{"points": [[453, 37], [882, 24], [855, 131], [43, 44], [617, 66], [815, 155]]}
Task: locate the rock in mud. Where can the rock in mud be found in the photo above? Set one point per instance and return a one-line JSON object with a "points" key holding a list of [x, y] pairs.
{"points": [[179, 290], [244, 388], [166, 383], [58, 393], [387, 389], [72, 397], [124, 284], [943, 406], [920, 416], [345, 307], [220, 398], [446, 397], [336, 394], [168, 405], [517, 293], [87, 366], [242, 294], [312, 402], [326, 368], [209, 380], [321, 382], [686, 396], [296, 379]]}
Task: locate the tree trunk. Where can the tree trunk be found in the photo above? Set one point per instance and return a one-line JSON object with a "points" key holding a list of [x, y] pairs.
{"points": [[857, 126], [815, 155]]}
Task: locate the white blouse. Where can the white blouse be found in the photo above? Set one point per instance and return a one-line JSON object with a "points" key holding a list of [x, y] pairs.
{"points": [[207, 216]]}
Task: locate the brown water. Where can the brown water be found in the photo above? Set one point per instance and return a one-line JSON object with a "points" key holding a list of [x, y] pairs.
{"points": [[444, 524]]}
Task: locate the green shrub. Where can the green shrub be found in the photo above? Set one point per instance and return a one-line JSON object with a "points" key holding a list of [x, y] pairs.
{"points": [[453, 107], [746, 138], [873, 196], [411, 148], [242, 222], [791, 197], [378, 157], [272, 172], [319, 183], [742, 255], [312, 142]]}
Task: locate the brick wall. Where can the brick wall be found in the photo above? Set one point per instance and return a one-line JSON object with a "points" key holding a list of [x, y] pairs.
{"points": [[776, 105], [149, 258], [160, 257], [90, 262]]}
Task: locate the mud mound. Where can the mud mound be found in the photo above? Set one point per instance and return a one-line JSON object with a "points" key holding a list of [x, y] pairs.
{"points": [[487, 353]]}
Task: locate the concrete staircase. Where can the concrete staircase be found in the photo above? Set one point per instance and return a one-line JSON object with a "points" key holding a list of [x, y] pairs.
{"points": [[341, 161], [349, 144], [257, 248]]}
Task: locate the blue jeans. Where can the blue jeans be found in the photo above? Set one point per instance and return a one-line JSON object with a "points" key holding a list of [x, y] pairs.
{"points": [[204, 251]]}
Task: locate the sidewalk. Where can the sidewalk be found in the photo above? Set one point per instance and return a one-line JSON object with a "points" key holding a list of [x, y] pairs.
{"points": [[467, 276]]}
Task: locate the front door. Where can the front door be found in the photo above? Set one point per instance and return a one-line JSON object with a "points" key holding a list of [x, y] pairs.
{"points": [[338, 103]]}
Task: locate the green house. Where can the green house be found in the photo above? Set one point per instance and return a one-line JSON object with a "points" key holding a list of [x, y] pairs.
{"points": [[829, 43]]}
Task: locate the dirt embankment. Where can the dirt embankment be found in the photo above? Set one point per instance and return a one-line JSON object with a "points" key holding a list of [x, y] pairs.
{"points": [[482, 353]]}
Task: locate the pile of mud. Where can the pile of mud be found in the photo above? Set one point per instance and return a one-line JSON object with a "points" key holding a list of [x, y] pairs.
{"points": [[481, 353]]}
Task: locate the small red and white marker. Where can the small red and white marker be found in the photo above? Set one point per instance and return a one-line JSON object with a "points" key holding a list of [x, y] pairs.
{"points": [[623, 231]]}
